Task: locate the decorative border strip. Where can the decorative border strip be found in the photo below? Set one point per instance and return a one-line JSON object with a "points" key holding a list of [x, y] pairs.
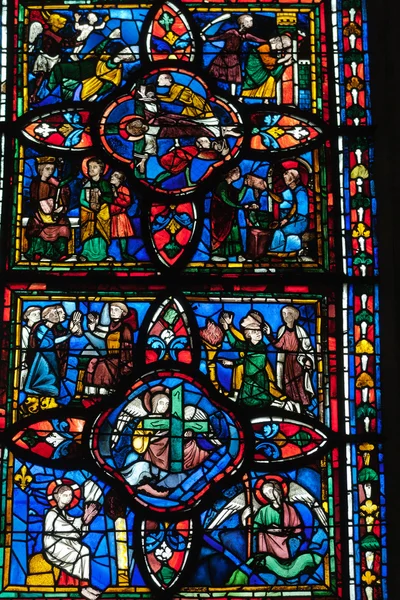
{"points": [[358, 207], [366, 521], [361, 346], [351, 62]]}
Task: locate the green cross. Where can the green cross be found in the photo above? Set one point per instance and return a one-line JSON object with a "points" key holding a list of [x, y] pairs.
{"points": [[176, 425]]}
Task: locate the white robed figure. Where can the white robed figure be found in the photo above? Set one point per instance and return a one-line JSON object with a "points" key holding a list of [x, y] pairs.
{"points": [[62, 537]]}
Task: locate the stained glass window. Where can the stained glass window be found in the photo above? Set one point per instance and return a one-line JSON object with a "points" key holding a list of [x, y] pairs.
{"points": [[190, 374]]}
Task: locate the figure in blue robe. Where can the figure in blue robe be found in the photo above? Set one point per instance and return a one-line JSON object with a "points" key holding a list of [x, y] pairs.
{"points": [[293, 214]]}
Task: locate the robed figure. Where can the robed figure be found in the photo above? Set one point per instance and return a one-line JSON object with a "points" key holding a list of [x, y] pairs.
{"points": [[295, 361], [48, 229], [225, 232], [95, 218], [104, 373]]}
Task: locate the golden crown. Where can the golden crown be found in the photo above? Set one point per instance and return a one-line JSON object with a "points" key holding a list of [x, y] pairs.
{"points": [[42, 160], [286, 19]]}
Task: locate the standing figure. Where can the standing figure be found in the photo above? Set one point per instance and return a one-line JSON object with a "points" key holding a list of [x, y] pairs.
{"points": [[48, 347], [295, 361], [293, 214], [265, 67], [254, 390], [104, 373], [62, 540], [48, 229], [121, 228], [50, 54], [279, 399], [85, 29], [226, 65], [225, 233], [95, 219], [31, 316]]}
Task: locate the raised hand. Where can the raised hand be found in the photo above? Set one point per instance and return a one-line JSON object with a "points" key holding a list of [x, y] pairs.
{"points": [[90, 512], [225, 320], [92, 321], [75, 324]]}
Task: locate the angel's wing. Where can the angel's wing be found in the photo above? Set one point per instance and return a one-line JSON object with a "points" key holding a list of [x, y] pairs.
{"points": [[237, 504], [299, 494], [131, 411], [35, 29]]}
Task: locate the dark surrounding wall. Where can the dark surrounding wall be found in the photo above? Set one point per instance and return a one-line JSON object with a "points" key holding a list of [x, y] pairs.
{"points": [[384, 33]]}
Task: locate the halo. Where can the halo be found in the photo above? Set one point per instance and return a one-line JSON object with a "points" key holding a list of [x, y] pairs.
{"points": [[157, 389], [122, 128], [262, 481], [300, 164], [72, 484], [85, 165]]}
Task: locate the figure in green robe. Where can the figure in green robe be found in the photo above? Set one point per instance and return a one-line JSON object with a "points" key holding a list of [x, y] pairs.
{"points": [[98, 72], [265, 67], [95, 218], [226, 241], [255, 386], [275, 524]]}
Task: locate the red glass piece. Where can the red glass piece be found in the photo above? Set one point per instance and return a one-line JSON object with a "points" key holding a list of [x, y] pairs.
{"points": [[279, 440], [61, 130], [169, 35], [171, 229]]}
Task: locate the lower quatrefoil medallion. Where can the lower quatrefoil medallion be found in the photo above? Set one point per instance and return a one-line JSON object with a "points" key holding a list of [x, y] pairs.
{"points": [[168, 443]]}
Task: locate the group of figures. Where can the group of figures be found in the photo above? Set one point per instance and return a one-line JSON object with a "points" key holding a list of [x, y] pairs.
{"points": [[84, 55], [58, 64], [244, 350], [255, 212], [277, 230], [60, 362], [82, 356], [171, 131], [168, 400], [268, 530], [103, 219]]}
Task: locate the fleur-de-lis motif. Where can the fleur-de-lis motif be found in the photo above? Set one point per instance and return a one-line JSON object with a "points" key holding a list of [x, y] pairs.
{"points": [[23, 478], [369, 577], [361, 231]]}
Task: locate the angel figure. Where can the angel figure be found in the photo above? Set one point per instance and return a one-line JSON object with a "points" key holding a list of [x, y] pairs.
{"points": [[281, 524], [155, 461], [84, 29]]}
